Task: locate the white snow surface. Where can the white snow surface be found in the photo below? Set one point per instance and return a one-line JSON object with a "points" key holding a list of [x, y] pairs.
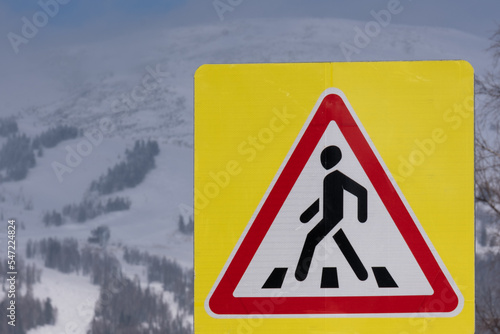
{"points": [[73, 296]]}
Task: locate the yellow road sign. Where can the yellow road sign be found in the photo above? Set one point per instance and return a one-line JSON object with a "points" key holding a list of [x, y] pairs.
{"points": [[334, 198]]}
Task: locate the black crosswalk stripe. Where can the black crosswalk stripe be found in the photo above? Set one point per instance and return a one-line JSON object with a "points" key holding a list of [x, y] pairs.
{"points": [[329, 278], [384, 279], [275, 280]]}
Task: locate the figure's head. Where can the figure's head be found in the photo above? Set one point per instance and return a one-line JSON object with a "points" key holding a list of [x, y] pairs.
{"points": [[330, 156]]}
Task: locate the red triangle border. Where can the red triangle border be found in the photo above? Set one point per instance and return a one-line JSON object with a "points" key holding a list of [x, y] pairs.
{"points": [[446, 299]]}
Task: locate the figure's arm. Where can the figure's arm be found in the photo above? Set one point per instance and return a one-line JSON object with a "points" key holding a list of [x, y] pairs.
{"points": [[360, 192], [310, 212]]}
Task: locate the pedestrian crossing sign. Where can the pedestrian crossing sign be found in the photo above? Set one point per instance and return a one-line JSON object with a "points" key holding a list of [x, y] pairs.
{"points": [[337, 233], [411, 280]]}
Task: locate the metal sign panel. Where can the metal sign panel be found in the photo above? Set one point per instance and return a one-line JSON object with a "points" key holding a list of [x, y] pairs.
{"points": [[344, 228]]}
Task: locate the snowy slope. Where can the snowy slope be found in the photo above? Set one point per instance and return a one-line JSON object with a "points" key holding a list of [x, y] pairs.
{"points": [[75, 306], [97, 76], [84, 85]]}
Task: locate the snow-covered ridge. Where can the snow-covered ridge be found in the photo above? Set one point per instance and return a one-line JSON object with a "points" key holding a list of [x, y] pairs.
{"points": [[143, 82]]}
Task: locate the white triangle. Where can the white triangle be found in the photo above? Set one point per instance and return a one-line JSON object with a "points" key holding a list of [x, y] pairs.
{"points": [[377, 242]]}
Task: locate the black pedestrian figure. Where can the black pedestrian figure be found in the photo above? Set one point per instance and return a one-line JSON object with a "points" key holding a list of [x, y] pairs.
{"points": [[334, 185]]}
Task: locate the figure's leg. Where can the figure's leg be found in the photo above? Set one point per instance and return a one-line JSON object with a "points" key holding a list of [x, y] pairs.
{"points": [[350, 255], [312, 240]]}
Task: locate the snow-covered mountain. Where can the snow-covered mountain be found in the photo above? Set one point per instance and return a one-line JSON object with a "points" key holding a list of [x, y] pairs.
{"points": [[140, 86], [94, 77]]}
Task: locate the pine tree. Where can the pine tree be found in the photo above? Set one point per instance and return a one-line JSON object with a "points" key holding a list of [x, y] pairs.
{"points": [[182, 227], [48, 312], [100, 235]]}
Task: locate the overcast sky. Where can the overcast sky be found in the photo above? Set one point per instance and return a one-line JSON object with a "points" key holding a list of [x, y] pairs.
{"points": [[104, 17]]}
